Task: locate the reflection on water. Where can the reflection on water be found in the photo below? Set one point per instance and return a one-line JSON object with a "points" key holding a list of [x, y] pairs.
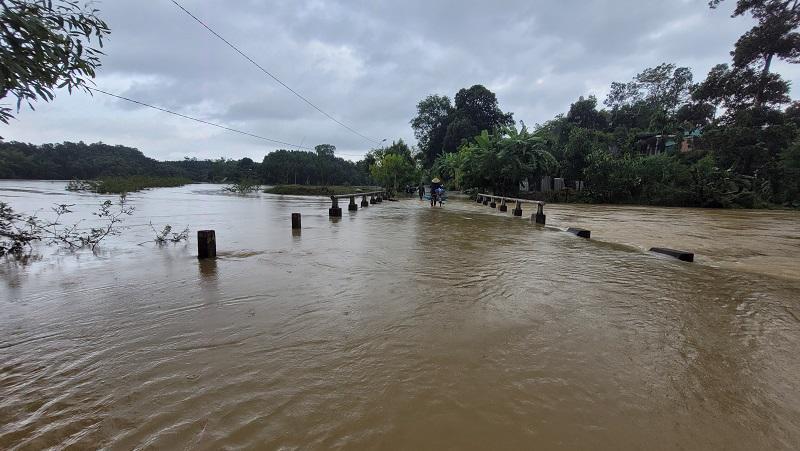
{"points": [[402, 326]]}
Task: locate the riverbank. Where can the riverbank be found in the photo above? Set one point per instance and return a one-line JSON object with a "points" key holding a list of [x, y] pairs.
{"points": [[312, 190]]}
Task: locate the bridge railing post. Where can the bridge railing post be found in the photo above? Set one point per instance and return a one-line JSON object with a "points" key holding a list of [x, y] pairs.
{"points": [[206, 244], [518, 209], [352, 205], [364, 201], [539, 216], [503, 206], [334, 211]]}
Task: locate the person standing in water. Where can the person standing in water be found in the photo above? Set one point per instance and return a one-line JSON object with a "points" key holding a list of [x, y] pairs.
{"points": [[435, 185], [421, 191]]}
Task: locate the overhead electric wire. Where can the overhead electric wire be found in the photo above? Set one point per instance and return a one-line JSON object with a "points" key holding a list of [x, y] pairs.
{"points": [[300, 96], [202, 121]]}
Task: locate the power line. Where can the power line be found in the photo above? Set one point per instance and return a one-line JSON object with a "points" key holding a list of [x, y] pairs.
{"points": [[253, 135], [300, 96]]}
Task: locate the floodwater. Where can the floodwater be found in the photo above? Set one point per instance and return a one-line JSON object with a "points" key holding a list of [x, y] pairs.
{"points": [[403, 327]]}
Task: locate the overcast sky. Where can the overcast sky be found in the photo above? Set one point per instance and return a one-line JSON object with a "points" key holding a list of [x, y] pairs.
{"points": [[367, 63]]}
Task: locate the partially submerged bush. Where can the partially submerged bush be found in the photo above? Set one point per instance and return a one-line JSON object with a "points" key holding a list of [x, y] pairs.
{"points": [[121, 185], [244, 186], [19, 231], [166, 235]]}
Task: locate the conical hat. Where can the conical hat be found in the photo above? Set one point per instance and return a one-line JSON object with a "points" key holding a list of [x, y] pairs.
{"points": [[436, 180]]}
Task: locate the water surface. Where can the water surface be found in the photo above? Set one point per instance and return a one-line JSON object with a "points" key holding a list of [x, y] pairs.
{"points": [[402, 326]]}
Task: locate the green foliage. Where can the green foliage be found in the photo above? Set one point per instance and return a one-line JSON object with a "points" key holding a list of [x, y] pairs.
{"points": [[499, 161], [441, 127], [430, 125], [45, 45], [244, 186], [19, 231], [82, 161], [310, 190], [309, 168], [121, 185], [394, 166]]}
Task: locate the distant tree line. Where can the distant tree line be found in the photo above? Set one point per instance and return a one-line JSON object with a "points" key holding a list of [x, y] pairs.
{"points": [[730, 140], [94, 161]]}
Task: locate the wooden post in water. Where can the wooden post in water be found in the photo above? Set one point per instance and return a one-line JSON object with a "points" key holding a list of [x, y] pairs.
{"points": [[503, 206], [352, 205], [206, 244], [334, 211], [364, 201], [517, 209], [539, 217], [295, 221]]}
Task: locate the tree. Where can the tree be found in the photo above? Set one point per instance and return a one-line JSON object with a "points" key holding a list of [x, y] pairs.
{"points": [[738, 88], [325, 150], [430, 125], [45, 45], [393, 170], [499, 161], [583, 113], [664, 87], [773, 36], [476, 110]]}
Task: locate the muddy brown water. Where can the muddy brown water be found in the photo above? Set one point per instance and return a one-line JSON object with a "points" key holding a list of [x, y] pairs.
{"points": [[403, 327]]}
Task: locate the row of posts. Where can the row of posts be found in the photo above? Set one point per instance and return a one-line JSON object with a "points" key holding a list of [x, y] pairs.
{"points": [[207, 239], [374, 198], [538, 217]]}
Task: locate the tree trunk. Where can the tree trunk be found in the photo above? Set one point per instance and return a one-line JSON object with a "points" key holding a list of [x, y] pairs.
{"points": [[763, 80]]}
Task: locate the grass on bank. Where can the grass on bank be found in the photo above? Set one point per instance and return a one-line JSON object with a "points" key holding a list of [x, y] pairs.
{"points": [[311, 190], [120, 185]]}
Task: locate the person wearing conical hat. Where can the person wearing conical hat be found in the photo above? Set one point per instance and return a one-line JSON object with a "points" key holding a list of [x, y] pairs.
{"points": [[436, 191]]}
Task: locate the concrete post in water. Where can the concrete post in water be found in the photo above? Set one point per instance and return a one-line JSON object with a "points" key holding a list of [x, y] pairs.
{"points": [[480, 198], [352, 205], [378, 198], [583, 233], [539, 217], [503, 206], [372, 199], [206, 244], [493, 204], [517, 211], [295, 220], [486, 200], [680, 255], [335, 211], [364, 201]]}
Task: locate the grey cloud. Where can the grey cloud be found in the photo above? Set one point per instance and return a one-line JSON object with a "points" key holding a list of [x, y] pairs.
{"points": [[367, 63]]}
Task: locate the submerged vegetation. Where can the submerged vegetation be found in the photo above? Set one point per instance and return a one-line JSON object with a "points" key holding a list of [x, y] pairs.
{"points": [[244, 186], [121, 185], [19, 231], [314, 190]]}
